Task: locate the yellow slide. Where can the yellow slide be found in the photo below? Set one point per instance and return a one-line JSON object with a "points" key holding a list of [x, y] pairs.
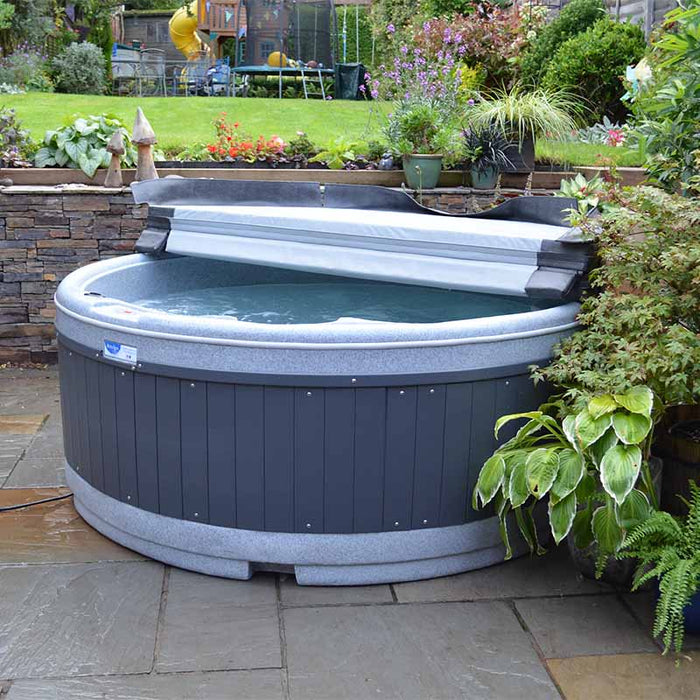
{"points": [[183, 31]]}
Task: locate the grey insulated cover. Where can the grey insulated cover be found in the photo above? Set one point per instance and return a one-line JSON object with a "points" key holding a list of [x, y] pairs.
{"points": [[526, 249]]}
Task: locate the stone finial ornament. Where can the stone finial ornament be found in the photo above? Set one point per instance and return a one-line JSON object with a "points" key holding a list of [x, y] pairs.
{"points": [[144, 138], [116, 148]]}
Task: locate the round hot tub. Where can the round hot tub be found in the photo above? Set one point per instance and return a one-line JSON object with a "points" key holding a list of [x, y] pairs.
{"points": [[228, 417]]}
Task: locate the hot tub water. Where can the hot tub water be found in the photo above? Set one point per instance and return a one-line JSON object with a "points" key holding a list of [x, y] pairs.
{"points": [[327, 302]]}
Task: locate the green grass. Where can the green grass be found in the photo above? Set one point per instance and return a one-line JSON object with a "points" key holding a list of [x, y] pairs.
{"points": [[182, 121], [570, 153]]}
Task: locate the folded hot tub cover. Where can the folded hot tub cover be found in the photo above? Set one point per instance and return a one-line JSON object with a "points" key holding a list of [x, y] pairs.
{"points": [[522, 247]]}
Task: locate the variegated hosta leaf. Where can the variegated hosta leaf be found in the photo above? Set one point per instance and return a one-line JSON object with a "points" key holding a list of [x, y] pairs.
{"points": [[517, 485], [639, 399], [542, 467], [607, 532], [569, 427], [598, 449], [502, 510], [581, 528], [490, 478], [619, 470], [633, 510], [561, 516], [600, 405], [631, 428], [571, 470], [532, 415], [586, 488], [589, 429]]}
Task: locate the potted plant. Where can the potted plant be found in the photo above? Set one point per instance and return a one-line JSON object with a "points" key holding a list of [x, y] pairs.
{"points": [[590, 467], [667, 548], [420, 132], [484, 150], [522, 116]]}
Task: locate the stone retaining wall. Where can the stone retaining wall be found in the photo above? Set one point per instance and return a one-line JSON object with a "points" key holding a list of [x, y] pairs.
{"points": [[46, 232]]}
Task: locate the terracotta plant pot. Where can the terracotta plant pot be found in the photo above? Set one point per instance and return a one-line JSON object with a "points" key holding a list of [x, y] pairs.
{"points": [[422, 170]]}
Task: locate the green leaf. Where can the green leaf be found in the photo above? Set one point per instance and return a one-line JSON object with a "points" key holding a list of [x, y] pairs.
{"points": [[49, 136], [569, 428], [607, 532], [517, 485], [600, 405], [631, 428], [514, 416], [75, 149], [44, 158], [633, 510], [502, 510], [581, 528], [639, 399], [589, 429], [561, 516], [89, 162], [587, 487], [598, 449], [571, 470], [61, 157], [490, 478], [541, 470], [619, 470]]}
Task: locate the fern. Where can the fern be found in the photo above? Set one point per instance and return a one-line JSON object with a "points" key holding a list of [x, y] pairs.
{"points": [[668, 549]]}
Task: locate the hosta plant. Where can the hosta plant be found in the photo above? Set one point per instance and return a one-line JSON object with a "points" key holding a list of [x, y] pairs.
{"points": [[668, 549], [82, 143], [589, 468]]}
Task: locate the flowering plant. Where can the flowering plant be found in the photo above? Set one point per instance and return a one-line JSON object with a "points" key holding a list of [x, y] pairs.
{"points": [[233, 144]]}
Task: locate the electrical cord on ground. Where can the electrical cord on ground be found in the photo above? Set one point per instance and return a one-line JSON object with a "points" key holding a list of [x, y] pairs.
{"points": [[4, 509]]}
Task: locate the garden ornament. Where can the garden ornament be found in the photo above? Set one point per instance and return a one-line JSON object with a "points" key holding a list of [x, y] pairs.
{"points": [[144, 137]]}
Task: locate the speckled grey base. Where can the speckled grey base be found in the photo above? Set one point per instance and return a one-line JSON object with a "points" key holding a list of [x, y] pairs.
{"points": [[321, 560]]}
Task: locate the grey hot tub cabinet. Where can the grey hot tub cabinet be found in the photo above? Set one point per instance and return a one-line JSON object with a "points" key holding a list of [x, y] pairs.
{"points": [[344, 452]]}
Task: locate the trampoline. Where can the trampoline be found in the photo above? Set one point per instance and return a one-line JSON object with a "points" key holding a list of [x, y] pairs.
{"points": [[299, 34]]}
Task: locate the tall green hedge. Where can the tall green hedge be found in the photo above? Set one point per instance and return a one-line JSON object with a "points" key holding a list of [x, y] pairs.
{"points": [[574, 18]]}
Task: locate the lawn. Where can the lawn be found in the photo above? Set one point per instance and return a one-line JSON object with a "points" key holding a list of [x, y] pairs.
{"points": [[183, 121]]}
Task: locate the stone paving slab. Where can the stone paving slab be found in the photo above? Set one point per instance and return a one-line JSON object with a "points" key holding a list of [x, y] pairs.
{"points": [[79, 619], [627, 677], [48, 442], [583, 625], [51, 532], [295, 595], [442, 650], [552, 574], [215, 624], [37, 471], [21, 423], [12, 447], [233, 685]]}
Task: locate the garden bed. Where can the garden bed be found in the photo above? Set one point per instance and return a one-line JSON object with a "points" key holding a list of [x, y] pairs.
{"points": [[386, 178]]}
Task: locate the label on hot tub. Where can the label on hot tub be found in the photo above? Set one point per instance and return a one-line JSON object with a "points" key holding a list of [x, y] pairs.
{"points": [[119, 352]]}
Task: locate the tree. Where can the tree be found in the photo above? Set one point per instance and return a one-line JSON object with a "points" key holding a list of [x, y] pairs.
{"points": [[6, 13]]}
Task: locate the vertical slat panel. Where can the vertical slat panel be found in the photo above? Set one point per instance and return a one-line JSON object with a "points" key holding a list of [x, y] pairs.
{"points": [[222, 454], [67, 420], [169, 441], [308, 459], [110, 454], [370, 431], [94, 423], [250, 467], [510, 392], [339, 459], [193, 412], [400, 457], [126, 437], [482, 440], [146, 441], [455, 474], [430, 428], [279, 459], [81, 418]]}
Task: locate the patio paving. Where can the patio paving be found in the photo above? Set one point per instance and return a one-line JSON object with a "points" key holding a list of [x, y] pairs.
{"points": [[84, 618]]}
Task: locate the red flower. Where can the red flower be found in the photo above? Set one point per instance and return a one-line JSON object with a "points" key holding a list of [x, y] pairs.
{"points": [[211, 148], [233, 152], [235, 125]]}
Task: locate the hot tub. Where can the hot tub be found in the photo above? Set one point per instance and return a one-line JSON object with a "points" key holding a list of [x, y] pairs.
{"points": [[301, 379]]}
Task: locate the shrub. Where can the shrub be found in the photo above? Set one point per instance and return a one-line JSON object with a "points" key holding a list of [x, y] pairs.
{"points": [[26, 68], [15, 144], [80, 69], [83, 144], [591, 65], [576, 17]]}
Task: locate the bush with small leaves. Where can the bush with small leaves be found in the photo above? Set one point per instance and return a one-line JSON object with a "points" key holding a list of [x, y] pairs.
{"points": [[80, 69]]}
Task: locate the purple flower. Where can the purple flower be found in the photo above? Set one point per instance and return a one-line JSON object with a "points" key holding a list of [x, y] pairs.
{"points": [[471, 102], [390, 28]]}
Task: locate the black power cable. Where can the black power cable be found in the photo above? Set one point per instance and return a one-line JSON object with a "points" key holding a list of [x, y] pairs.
{"points": [[4, 509]]}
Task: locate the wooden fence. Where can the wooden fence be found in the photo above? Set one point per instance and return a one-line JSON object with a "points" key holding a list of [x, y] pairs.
{"points": [[647, 13]]}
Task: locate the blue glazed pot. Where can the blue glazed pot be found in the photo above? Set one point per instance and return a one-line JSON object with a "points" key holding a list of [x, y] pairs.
{"points": [[422, 171], [484, 179]]}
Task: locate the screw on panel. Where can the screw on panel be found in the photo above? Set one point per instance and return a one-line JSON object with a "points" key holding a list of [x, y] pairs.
{"points": [[128, 498], [402, 392], [425, 522], [353, 380], [139, 364], [196, 515], [308, 526], [396, 524], [97, 354], [192, 384], [70, 354], [308, 393], [431, 391], [507, 383], [123, 374]]}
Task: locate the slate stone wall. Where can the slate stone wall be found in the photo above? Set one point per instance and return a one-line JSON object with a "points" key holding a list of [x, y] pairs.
{"points": [[46, 232]]}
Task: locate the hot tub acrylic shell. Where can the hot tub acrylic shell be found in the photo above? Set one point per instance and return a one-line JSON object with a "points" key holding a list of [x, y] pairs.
{"points": [[344, 452]]}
